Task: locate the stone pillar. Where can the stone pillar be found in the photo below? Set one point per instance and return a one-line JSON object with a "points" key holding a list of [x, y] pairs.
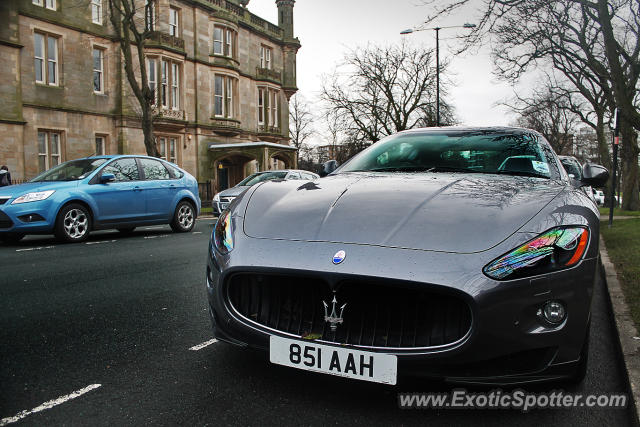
{"points": [[285, 17]]}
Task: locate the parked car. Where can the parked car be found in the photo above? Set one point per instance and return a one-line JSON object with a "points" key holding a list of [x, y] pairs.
{"points": [[475, 275], [222, 199], [78, 196], [573, 167], [598, 195]]}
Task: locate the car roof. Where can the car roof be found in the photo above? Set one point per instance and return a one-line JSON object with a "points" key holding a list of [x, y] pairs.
{"points": [[442, 129]]}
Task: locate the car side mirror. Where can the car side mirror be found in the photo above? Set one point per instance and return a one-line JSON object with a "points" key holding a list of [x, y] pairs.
{"points": [[107, 177], [328, 167], [594, 175]]}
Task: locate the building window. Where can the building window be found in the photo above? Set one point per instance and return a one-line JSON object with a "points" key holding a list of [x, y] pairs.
{"points": [[49, 150], [96, 11], [224, 41], [101, 145], [175, 86], [98, 70], [164, 83], [173, 21], [224, 96], [265, 57], [268, 107], [49, 4], [152, 77], [46, 59], [150, 15], [167, 147], [261, 104]]}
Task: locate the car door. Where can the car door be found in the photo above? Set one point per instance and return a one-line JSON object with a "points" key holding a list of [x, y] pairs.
{"points": [[158, 188], [118, 201]]}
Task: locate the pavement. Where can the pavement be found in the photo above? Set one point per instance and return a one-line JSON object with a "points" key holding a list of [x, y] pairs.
{"points": [[115, 331]]}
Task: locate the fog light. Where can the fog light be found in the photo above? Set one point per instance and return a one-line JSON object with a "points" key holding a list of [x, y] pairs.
{"points": [[554, 312]]}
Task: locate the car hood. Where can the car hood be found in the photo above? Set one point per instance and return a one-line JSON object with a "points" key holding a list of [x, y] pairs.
{"points": [[233, 191], [439, 212], [27, 187]]}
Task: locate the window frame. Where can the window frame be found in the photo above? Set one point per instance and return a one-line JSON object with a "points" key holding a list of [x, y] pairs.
{"points": [[174, 27], [100, 71], [268, 107], [96, 12], [50, 4], [152, 77], [150, 15], [266, 54], [48, 153], [225, 44], [164, 144], [104, 150], [227, 97], [46, 59]]}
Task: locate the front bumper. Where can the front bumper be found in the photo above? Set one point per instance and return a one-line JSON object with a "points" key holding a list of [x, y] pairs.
{"points": [[508, 343], [28, 218]]}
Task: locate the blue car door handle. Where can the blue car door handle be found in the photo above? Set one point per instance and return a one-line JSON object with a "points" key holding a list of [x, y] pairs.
{"points": [[137, 188]]}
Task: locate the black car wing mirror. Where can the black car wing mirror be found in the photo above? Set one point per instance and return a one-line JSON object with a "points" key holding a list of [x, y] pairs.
{"points": [[594, 175], [328, 167]]}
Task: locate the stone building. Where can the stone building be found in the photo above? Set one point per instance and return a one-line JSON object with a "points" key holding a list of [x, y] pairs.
{"points": [[222, 76]]}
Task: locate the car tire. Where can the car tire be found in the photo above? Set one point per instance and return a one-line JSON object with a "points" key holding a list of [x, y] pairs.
{"points": [[126, 230], [73, 223], [11, 238], [581, 367], [184, 218]]}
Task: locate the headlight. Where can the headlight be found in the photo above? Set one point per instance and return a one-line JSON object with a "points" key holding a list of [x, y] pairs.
{"points": [[216, 198], [223, 234], [555, 249], [33, 197]]}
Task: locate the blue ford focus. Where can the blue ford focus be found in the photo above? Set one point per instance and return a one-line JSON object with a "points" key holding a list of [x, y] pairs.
{"points": [[78, 196]]}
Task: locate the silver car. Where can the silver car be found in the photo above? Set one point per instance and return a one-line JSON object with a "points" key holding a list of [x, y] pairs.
{"points": [[222, 199]]}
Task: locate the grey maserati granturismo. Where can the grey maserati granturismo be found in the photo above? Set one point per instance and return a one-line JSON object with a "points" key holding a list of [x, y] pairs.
{"points": [[462, 254]]}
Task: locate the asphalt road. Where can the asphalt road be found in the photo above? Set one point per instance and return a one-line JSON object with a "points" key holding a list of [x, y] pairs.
{"points": [[123, 312]]}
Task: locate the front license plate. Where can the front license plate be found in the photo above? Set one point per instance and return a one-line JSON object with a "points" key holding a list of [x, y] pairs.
{"points": [[343, 362]]}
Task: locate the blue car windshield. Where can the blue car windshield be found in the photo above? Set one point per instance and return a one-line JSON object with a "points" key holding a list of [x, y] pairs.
{"points": [[482, 151], [70, 171]]}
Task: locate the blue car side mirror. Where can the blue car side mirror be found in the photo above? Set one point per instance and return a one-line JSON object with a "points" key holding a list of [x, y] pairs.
{"points": [[107, 177]]}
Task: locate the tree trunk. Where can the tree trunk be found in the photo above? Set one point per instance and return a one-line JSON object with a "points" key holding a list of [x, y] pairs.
{"points": [[147, 130], [603, 154], [629, 163]]}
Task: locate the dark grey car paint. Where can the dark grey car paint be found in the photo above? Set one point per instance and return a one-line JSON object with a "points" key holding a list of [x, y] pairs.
{"points": [[446, 227]]}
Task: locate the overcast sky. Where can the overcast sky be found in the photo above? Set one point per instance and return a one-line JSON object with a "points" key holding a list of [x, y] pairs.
{"points": [[329, 28]]}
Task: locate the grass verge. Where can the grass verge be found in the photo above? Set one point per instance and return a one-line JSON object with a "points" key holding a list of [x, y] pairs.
{"points": [[623, 245], [617, 212]]}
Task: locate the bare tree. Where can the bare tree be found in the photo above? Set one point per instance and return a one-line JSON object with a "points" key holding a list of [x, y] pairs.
{"points": [[378, 91], [591, 42], [133, 25], [300, 122], [550, 115]]}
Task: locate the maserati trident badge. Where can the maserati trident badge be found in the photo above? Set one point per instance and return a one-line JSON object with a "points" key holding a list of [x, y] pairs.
{"points": [[333, 318], [339, 257]]}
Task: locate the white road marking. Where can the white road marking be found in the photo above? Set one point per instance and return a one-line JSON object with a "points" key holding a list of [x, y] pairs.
{"points": [[153, 237], [39, 248], [48, 405], [101, 241], [203, 345], [197, 232]]}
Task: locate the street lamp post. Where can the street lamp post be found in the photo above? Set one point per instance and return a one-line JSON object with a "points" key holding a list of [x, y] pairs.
{"points": [[437, 30]]}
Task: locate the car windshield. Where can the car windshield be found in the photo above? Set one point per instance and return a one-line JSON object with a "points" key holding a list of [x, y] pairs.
{"points": [[70, 171], [482, 151], [263, 176]]}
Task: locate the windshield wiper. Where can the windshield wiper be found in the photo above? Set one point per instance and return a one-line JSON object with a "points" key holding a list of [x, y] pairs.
{"points": [[450, 169], [523, 173]]}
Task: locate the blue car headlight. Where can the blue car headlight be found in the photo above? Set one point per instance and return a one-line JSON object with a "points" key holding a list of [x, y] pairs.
{"points": [[223, 233], [558, 248], [33, 197]]}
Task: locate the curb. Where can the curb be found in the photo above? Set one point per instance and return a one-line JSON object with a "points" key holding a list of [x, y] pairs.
{"points": [[627, 333]]}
